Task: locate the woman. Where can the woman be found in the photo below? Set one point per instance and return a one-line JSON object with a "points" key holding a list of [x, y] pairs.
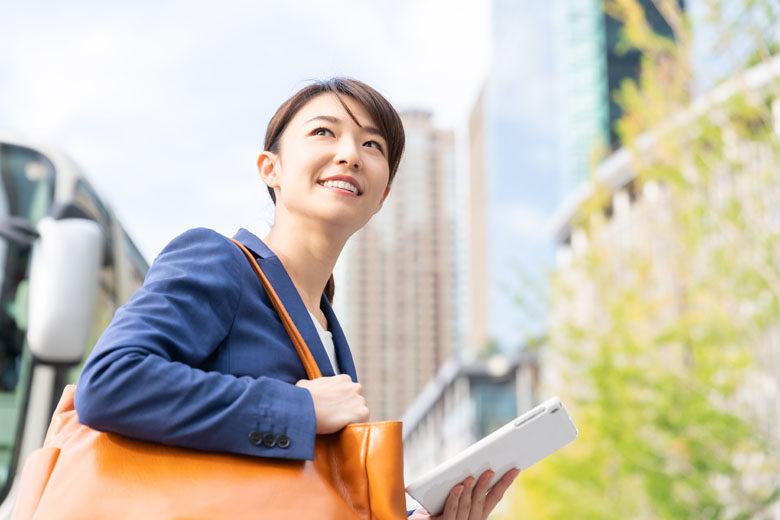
{"points": [[198, 358]]}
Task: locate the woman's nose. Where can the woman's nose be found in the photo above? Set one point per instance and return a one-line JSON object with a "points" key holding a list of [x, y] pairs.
{"points": [[348, 155]]}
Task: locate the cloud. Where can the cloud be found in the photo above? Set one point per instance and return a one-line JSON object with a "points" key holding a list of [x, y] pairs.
{"points": [[164, 103], [523, 79]]}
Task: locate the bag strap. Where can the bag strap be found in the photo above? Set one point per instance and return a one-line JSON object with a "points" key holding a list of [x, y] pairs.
{"points": [[312, 370]]}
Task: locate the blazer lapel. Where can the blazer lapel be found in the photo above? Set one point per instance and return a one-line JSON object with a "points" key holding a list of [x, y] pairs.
{"points": [[288, 294], [343, 354]]}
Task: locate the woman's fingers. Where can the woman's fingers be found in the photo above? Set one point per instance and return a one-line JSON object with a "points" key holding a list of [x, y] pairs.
{"points": [[337, 402], [494, 495], [451, 506], [475, 499], [464, 506], [478, 496]]}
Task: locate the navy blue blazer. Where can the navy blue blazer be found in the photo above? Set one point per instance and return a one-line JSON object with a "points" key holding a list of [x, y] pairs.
{"points": [[199, 358]]}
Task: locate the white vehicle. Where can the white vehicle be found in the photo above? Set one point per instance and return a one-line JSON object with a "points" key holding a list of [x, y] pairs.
{"points": [[66, 264]]}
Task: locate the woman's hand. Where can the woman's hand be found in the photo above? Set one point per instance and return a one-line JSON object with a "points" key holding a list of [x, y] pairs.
{"points": [[471, 501], [337, 402]]}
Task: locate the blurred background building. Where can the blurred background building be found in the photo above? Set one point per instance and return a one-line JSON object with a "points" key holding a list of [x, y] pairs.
{"points": [[477, 320], [593, 65], [638, 214], [640, 223], [464, 403]]}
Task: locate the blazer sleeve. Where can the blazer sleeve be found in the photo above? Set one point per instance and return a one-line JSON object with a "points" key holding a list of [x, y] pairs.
{"points": [[141, 378]]}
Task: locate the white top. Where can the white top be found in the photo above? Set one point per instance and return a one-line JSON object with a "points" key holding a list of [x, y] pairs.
{"points": [[327, 341]]}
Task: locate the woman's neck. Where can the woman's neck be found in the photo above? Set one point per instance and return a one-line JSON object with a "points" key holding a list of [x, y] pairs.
{"points": [[309, 256]]}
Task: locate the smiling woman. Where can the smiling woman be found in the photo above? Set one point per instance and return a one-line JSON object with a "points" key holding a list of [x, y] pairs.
{"points": [[386, 123], [203, 357], [344, 158]]}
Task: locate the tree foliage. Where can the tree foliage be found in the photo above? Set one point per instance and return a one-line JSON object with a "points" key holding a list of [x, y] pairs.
{"points": [[665, 335]]}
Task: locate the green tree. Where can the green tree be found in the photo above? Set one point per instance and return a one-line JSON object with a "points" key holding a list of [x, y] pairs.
{"points": [[661, 341]]}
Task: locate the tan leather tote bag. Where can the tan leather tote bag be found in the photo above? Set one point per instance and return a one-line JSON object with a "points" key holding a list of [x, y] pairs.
{"points": [[81, 473]]}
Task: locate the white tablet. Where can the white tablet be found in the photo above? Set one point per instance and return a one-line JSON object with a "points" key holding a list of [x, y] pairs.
{"points": [[520, 443]]}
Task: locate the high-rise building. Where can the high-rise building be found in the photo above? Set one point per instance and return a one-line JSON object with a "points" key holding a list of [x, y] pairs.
{"points": [[593, 67], [477, 306], [545, 112], [399, 275]]}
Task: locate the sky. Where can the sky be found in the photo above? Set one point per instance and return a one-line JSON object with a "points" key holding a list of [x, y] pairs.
{"points": [[523, 128], [164, 104]]}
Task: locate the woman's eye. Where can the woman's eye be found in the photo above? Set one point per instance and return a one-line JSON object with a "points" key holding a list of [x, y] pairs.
{"points": [[374, 144], [322, 131]]}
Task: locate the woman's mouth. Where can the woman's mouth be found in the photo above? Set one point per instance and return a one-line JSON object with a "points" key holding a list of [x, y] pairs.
{"points": [[341, 186]]}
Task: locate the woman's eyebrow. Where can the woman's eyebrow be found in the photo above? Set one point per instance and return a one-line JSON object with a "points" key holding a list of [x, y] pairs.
{"points": [[336, 121], [329, 119]]}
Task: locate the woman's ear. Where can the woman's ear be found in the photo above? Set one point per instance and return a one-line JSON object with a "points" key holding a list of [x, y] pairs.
{"points": [[381, 202], [266, 165]]}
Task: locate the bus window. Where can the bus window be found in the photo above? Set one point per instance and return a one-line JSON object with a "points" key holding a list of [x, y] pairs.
{"points": [[88, 200], [27, 191], [132, 270]]}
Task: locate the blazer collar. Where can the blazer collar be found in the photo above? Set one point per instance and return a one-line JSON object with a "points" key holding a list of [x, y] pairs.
{"points": [[253, 243], [288, 294]]}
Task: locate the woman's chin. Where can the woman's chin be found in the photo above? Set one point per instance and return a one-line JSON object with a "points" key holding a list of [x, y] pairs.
{"points": [[336, 221]]}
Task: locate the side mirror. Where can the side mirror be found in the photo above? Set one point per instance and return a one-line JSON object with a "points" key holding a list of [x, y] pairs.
{"points": [[64, 272]]}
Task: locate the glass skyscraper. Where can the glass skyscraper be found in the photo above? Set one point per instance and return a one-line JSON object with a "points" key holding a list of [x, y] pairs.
{"points": [[544, 118], [592, 69]]}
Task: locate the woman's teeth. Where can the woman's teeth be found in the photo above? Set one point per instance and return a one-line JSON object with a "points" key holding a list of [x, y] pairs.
{"points": [[344, 185]]}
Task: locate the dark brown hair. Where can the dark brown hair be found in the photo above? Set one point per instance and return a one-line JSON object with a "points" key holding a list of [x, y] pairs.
{"points": [[379, 109]]}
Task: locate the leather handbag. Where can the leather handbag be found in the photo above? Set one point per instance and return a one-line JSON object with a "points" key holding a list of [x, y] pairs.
{"points": [[357, 473]]}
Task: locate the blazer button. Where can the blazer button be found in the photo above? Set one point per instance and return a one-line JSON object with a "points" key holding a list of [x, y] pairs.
{"points": [[256, 438], [283, 441], [269, 440]]}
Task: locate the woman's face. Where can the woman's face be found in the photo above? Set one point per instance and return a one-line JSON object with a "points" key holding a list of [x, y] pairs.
{"points": [[329, 168]]}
